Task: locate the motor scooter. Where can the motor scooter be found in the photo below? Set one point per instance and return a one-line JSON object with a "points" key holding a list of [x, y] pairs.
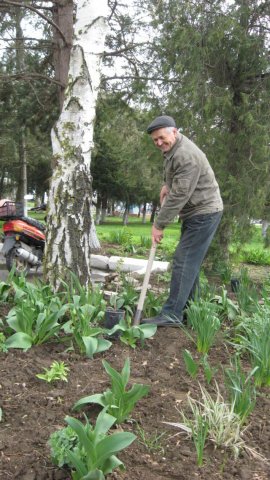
{"points": [[24, 238]]}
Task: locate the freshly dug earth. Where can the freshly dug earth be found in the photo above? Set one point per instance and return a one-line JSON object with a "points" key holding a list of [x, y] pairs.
{"points": [[33, 409]]}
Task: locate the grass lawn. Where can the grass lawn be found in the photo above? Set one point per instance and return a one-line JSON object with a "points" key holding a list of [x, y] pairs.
{"points": [[135, 228], [137, 233]]}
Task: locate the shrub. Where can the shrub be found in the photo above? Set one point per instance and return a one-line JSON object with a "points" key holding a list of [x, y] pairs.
{"points": [[256, 256]]}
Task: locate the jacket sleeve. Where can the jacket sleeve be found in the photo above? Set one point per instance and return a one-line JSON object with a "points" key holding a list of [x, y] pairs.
{"points": [[185, 178]]}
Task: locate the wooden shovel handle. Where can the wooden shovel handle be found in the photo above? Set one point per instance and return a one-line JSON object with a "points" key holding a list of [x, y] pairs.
{"points": [[139, 310]]}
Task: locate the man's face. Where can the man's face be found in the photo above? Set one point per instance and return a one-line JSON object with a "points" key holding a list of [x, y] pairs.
{"points": [[164, 138]]}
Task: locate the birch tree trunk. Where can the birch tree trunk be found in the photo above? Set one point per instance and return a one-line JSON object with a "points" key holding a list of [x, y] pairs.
{"points": [[69, 217]]}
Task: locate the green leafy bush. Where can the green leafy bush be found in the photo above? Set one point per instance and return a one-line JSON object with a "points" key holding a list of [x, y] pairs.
{"points": [[131, 334], [193, 367], [34, 322], [129, 297], [152, 304], [80, 295], [88, 450], [82, 327], [227, 309], [256, 256], [62, 441]]}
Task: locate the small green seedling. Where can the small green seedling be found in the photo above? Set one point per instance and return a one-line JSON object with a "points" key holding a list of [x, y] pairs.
{"points": [[152, 442], [241, 388], [57, 371], [3, 347], [4, 291], [191, 365], [208, 371], [130, 335]]}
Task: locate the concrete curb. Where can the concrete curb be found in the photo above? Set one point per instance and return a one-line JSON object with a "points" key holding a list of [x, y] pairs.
{"points": [[111, 264]]}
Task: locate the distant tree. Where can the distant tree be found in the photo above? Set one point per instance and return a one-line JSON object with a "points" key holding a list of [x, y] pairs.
{"points": [[28, 102], [125, 166], [214, 56]]}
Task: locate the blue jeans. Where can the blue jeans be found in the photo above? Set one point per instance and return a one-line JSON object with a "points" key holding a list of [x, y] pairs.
{"points": [[196, 235]]}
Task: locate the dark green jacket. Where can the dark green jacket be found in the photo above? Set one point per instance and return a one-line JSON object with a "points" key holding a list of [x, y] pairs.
{"points": [[191, 181]]}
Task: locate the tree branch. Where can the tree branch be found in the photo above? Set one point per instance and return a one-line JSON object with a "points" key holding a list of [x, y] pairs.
{"points": [[113, 8], [261, 26], [138, 77], [27, 39], [29, 76], [122, 50], [7, 3]]}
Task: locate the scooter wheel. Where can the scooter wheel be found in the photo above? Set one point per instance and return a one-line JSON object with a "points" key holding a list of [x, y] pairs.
{"points": [[15, 263]]}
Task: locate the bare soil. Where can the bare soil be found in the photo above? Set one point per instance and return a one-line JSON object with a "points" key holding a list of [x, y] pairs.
{"points": [[33, 409]]}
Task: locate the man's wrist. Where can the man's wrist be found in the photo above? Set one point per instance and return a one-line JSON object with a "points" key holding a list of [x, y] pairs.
{"points": [[158, 226]]}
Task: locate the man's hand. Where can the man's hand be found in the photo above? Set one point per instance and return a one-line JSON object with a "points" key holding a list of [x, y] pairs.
{"points": [[163, 193], [157, 235]]}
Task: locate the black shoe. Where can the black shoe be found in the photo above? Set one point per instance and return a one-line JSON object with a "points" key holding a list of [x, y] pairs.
{"points": [[162, 321], [185, 318]]}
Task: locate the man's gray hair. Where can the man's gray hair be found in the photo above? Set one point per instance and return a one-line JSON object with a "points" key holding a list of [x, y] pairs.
{"points": [[169, 129]]}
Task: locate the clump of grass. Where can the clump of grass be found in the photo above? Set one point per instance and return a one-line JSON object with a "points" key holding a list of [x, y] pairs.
{"points": [[256, 256], [151, 441], [254, 337], [241, 388], [246, 294], [121, 237], [216, 421], [145, 242], [224, 270], [203, 319]]}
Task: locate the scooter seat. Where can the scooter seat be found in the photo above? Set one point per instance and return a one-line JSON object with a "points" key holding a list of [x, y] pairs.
{"points": [[34, 223]]}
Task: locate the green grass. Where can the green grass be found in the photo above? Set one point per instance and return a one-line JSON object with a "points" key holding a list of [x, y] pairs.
{"points": [[252, 252], [136, 228]]}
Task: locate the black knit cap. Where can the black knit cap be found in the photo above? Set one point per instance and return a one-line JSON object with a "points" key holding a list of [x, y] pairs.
{"points": [[161, 122]]}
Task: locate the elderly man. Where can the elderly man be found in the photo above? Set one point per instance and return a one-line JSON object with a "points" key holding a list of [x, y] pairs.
{"points": [[191, 191]]}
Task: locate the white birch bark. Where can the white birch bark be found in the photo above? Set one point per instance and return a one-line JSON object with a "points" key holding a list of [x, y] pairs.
{"points": [[69, 217]]}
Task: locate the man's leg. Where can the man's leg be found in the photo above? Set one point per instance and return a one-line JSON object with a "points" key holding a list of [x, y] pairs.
{"points": [[194, 293], [197, 234]]}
